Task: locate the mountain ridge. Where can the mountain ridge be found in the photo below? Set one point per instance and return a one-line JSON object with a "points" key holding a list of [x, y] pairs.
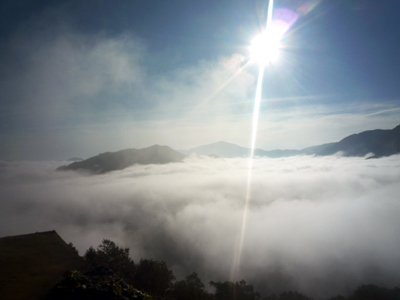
{"points": [[380, 142], [229, 150]]}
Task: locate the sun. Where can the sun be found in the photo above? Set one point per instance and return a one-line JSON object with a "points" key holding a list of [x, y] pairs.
{"points": [[265, 47]]}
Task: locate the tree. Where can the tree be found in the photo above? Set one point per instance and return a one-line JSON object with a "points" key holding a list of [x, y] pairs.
{"points": [[287, 296], [338, 297], [73, 248], [373, 292], [293, 296], [109, 254], [78, 286], [236, 291], [153, 277], [190, 288]]}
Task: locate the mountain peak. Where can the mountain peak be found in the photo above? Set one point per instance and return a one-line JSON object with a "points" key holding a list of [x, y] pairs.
{"points": [[111, 161], [221, 143], [221, 148]]}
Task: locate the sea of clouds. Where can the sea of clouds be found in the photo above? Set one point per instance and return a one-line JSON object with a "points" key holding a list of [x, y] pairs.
{"points": [[320, 225]]}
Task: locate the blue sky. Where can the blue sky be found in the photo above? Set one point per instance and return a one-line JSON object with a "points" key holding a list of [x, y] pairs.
{"points": [[79, 78]]}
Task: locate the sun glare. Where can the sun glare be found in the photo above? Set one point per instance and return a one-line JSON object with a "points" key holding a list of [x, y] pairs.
{"points": [[265, 47]]}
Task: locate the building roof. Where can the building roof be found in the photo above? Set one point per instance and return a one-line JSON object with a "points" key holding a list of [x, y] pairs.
{"points": [[31, 264]]}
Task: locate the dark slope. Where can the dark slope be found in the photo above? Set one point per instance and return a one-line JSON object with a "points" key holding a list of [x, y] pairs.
{"points": [[110, 161], [379, 142]]}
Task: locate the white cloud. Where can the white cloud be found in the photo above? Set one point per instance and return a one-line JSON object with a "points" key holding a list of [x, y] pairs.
{"points": [[63, 88], [58, 73], [319, 225]]}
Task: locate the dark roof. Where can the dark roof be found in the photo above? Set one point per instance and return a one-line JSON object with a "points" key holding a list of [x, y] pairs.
{"points": [[31, 264]]}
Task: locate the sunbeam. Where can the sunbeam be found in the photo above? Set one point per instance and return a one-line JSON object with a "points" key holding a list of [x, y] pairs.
{"points": [[256, 111], [265, 51]]}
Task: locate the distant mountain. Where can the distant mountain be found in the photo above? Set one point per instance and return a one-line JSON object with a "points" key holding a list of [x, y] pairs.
{"points": [[220, 149], [75, 159], [228, 150], [379, 142], [110, 161], [286, 153]]}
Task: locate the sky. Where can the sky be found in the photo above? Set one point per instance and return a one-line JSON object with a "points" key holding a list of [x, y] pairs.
{"points": [[78, 79], [319, 225]]}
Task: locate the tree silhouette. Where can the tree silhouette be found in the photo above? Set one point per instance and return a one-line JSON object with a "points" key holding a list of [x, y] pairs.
{"points": [[374, 292], [154, 277], [338, 297], [110, 255], [236, 291], [287, 296], [190, 288], [293, 296]]}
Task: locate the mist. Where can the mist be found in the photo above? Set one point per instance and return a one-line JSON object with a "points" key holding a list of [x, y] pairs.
{"points": [[318, 225]]}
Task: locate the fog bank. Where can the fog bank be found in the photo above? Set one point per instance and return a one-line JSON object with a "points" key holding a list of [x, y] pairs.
{"points": [[320, 225]]}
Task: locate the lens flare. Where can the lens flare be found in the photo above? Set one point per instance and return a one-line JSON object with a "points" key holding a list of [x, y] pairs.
{"points": [[265, 50], [238, 252], [266, 46]]}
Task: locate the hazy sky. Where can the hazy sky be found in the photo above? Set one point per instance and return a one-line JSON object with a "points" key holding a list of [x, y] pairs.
{"points": [[320, 225], [77, 79]]}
